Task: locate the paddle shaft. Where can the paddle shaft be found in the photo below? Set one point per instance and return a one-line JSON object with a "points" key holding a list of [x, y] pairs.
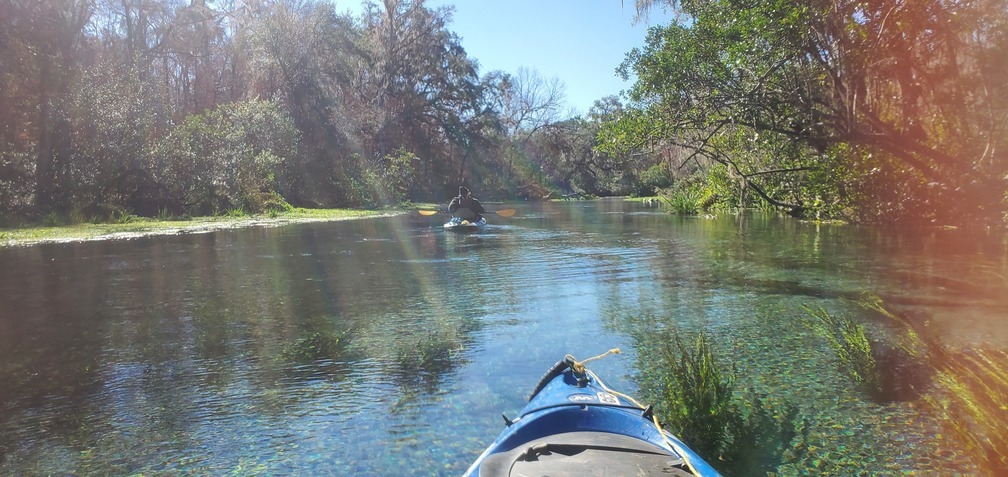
{"points": [[502, 213]]}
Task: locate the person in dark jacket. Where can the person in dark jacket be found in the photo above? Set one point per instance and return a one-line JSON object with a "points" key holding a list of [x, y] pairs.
{"points": [[466, 205]]}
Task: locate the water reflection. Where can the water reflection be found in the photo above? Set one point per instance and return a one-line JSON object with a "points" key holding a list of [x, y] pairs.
{"points": [[368, 347]]}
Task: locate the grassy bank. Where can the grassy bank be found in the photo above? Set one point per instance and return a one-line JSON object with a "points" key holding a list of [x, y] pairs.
{"points": [[133, 226]]}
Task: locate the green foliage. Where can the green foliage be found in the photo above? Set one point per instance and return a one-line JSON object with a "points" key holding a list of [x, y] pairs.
{"points": [[759, 88], [850, 343], [652, 180], [720, 191], [389, 180], [163, 214], [683, 201], [572, 157], [16, 179], [76, 216], [971, 395], [695, 396], [747, 433], [114, 117], [877, 188], [765, 433], [690, 196], [52, 219], [225, 159], [431, 353], [314, 347], [121, 216], [275, 204]]}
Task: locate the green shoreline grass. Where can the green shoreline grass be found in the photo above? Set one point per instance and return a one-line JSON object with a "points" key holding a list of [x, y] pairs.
{"points": [[144, 226]]}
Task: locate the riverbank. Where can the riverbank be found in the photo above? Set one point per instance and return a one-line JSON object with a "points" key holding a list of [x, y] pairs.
{"points": [[145, 226]]}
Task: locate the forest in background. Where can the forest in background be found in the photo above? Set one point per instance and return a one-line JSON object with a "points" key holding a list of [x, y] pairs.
{"points": [[887, 111], [200, 107]]}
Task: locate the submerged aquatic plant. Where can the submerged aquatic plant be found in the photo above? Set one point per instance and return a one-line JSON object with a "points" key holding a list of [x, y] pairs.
{"points": [[313, 347], [748, 434], [763, 431], [971, 397], [849, 341], [973, 404], [695, 395], [428, 354]]}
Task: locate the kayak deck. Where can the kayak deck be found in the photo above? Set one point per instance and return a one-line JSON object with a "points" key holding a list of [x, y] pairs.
{"points": [[575, 425], [458, 224], [584, 453]]}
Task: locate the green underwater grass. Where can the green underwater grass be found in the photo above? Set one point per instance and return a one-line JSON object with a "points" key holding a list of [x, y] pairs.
{"points": [[968, 395], [313, 347], [738, 432], [850, 343], [966, 390]]}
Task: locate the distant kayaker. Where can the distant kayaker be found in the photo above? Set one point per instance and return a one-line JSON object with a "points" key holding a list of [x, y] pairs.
{"points": [[468, 207]]}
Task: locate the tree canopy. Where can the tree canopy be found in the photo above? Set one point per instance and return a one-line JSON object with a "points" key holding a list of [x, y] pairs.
{"points": [[874, 110], [201, 106]]}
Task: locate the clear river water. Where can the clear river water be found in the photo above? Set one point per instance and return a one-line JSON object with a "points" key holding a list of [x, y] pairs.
{"points": [[388, 346]]}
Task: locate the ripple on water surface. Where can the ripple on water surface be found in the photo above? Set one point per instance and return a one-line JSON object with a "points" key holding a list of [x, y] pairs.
{"points": [[188, 355]]}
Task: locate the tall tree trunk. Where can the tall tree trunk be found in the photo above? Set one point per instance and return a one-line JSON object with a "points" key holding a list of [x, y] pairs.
{"points": [[44, 167]]}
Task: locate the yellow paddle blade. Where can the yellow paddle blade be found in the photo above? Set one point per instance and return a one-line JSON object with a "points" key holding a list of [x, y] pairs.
{"points": [[506, 212], [428, 212]]}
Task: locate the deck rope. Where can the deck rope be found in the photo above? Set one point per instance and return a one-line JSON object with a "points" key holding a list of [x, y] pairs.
{"points": [[579, 367]]}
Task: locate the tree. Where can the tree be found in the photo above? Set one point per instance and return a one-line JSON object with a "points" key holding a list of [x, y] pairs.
{"points": [[530, 103], [50, 32], [426, 90], [860, 86], [115, 115], [224, 159], [122, 105], [571, 159], [312, 60]]}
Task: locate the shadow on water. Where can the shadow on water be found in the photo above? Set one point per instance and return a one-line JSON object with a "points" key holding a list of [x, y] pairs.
{"points": [[905, 377]]}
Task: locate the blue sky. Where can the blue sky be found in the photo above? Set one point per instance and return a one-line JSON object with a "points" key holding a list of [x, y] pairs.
{"points": [[581, 42]]}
